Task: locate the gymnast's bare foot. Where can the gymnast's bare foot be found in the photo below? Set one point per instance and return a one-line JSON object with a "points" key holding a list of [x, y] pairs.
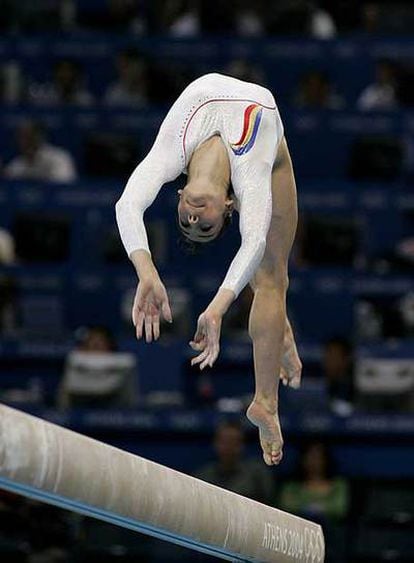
{"points": [[267, 421]]}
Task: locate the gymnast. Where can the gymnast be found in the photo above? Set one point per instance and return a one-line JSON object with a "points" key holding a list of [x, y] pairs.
{"points": [[227, 136]]}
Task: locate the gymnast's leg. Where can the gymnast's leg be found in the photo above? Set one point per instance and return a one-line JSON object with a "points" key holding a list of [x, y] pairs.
{"points": [[268, 325]]}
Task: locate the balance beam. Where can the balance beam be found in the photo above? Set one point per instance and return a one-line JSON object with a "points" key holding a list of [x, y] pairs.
{"points": [[54, 465]]}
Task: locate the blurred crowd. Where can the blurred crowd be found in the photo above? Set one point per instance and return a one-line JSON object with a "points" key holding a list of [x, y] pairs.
{"points": [[135, 84], [189, 18], [140, 82]]}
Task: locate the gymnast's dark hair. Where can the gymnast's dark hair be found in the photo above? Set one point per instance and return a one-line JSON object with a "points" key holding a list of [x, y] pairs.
{"points": [[193, 247]]}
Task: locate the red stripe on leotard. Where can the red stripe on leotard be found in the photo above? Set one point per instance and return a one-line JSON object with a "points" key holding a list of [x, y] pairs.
{"points": [[247, 113], [217, 100]]}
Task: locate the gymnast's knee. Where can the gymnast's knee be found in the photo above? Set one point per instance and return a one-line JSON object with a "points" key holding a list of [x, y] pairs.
{"points": [[268, 312], [271, 279]]}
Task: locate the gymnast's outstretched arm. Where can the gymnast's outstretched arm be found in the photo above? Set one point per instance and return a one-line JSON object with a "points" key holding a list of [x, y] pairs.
{"points": [[255, 207], [162, 164]]}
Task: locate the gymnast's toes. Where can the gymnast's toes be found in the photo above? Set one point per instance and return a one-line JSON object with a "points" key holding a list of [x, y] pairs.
{"points": [[272, 457]]}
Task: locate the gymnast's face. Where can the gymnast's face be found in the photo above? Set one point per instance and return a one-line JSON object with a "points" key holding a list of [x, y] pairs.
{"points": [[201, 213]]}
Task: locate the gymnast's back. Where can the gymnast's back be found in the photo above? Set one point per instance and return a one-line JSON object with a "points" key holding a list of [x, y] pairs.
{"points": [[208, 86], [215, 104]]}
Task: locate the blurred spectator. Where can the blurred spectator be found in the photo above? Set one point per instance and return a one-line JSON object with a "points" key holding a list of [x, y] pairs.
{"points": [[7, 248], [115, 16], [321, 23], [131, 88], [316, 92], [337, 365], [403, 255], [406, 307], [11, 83], [317, 493], [96, 339], [182, 18], [96, 375], [249, 22], [232, 471], [37, 159], [67, 87], [382, 93], [370, 18], [384, 317], [369, 325]]}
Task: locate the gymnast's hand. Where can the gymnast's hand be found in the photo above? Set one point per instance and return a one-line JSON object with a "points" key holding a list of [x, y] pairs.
{"points": [[207, 339], [151, 300]]}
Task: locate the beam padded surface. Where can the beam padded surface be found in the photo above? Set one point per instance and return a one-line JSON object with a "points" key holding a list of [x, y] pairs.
{"points": [[44, 461]]}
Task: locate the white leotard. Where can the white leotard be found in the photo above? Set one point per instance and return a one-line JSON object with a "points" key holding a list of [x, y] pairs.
{"points": [[246, 117]]}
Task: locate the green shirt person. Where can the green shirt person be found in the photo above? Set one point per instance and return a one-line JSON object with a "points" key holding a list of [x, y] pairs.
{"points": [[317, 493]]}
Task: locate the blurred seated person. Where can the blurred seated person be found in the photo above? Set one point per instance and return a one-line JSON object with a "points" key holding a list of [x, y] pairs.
{"points": [[96, 375], [37, 159], [321, 24], [370, 16], [406, 310], [66, 88], [249, 20], [316, 93], [7, 248], [182, 18], [232, 471], [337, 366], [131, 86], [382, 93], [12, 87], [317, 494]]}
